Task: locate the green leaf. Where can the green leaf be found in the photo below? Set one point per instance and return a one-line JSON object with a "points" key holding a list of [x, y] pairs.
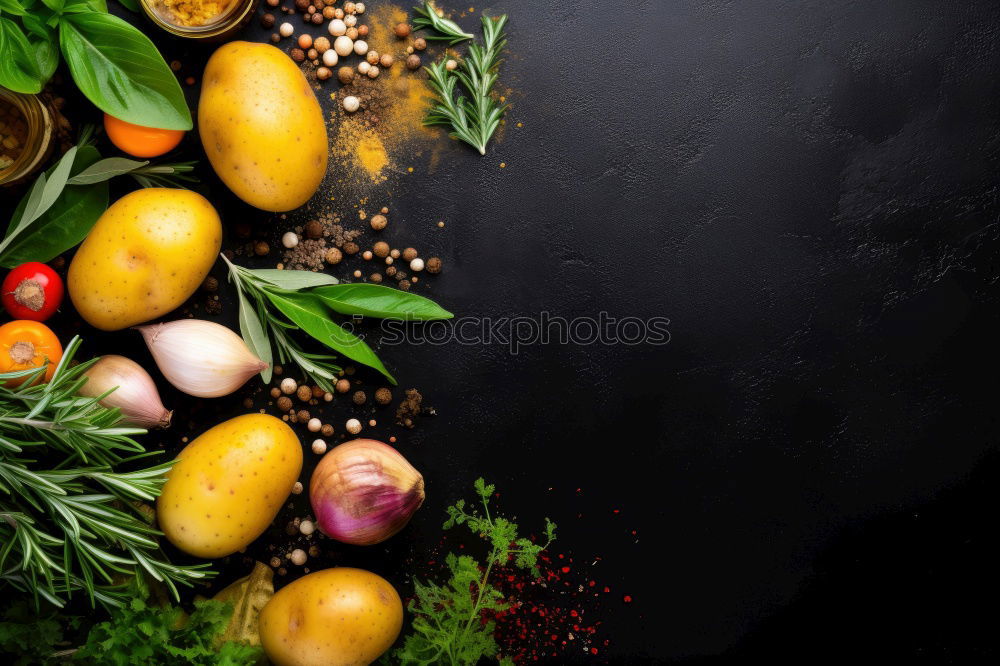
{"points": [[292, 280], [106, 169], [62, 226], [11, 7], [307, 312], [254, 335], [44, 192], [121, 72], [373, 300], [131, 5], [18, 67]]}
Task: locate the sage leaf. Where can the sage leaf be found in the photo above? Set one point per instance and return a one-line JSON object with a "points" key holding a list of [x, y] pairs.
{"points": [[63, 225], [307, 312], [373, 300], [247, 595], [292, 280], [18, 66], [121, 72], [44, 192], [106, 169], [254, 335]]}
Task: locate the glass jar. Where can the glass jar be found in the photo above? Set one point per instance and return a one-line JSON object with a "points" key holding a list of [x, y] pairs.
{"points": [[232, 16], [26, 135]]}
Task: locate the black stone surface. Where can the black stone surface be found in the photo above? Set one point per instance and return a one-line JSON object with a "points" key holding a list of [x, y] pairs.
{"points": [[808, 191]]}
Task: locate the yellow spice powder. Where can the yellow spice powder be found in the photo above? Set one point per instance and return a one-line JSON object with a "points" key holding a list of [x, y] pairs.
{"points": [[190, 13]]}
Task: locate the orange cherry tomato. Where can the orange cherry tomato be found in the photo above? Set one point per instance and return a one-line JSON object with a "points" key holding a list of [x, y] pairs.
{"points": [[140, 141], [26, 344]]}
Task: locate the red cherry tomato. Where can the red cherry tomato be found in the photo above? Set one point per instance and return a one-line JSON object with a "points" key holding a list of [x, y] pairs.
{"points": [[32, 291]]}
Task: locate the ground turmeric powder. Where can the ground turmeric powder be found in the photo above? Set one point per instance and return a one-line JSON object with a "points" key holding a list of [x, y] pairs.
{"points": [[191, 13]]}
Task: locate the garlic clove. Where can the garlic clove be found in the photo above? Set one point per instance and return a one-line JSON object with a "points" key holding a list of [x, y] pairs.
{"points": [[132, 391], [201, 358]]}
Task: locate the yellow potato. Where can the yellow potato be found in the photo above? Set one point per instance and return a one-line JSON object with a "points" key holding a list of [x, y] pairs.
{"points": [[228, 485], [261, 126], [332, 617], [146, 255]]}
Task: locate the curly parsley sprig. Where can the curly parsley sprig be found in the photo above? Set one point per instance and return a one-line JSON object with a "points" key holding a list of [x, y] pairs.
{"points": [[448, 624]]}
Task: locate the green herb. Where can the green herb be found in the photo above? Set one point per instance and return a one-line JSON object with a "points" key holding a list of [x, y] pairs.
{"points": [[449, 621], [139, 634], [426, 16], [273, 303], [69, 521], [66, 200], [30, 637], [475, 115], [116, 66]]}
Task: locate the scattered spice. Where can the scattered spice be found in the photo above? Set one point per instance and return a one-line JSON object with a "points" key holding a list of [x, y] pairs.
{"points": [[410, 408]]}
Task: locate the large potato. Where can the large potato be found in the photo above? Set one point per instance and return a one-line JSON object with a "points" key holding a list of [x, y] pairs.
{"points": [[332, 617], [145, 256], [228, 485], [261, 126]]}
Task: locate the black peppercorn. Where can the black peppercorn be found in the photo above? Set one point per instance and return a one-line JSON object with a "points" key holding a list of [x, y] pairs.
{"points": [[267, 20]]}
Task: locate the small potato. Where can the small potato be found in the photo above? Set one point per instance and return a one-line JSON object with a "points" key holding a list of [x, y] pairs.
{"points": [[144, 257], [261, 126], [228, 485], [333, 617]]}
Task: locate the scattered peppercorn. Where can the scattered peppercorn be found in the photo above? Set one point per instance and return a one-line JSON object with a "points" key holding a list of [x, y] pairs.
{"points": [[301, 5], [402, 30], [267, 21], [210, 284], [275, 392], [284, 403], [409, 254], [381, 249], [383, 396], [359, 398], [351, 247], [316, 18], [375, 277], [304, 393], [420, 43], [302, 415], [333, 256], [345, 74], [261, 248], [326, 430], [298, 55], [314, 229], [362, 31], [379, 222], [433, 265], [413, 62], [343, 386]]}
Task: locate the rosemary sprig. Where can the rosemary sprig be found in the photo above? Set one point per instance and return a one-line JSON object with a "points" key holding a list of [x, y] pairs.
{"points": [[69, 521], [474, 116], [426, 16]]}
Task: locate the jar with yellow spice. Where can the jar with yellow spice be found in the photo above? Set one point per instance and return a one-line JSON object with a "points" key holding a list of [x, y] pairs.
{"points": [[26, 135], [201, 19]]}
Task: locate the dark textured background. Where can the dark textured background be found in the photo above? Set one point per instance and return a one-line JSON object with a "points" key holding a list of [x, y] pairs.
{"points": [[808, 191]]}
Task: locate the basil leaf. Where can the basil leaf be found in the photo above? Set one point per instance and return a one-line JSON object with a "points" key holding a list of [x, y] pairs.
{"points": [[292, 280], [18, 67], [11, 7], [106, 169], [307, 312], [374, 300], [121, 72], [54, 5], [254, 335], [131, 5], [64, 224]]}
